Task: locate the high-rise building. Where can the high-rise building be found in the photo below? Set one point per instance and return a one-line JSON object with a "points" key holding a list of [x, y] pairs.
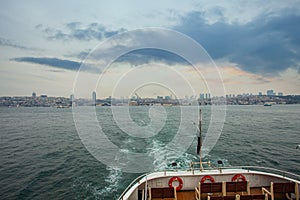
{"points": [[72, 97], [72, 100], [33, 95], [260, 94], [270, 92], [94, 98], [167, 97], [207, 96], [201, 96]]}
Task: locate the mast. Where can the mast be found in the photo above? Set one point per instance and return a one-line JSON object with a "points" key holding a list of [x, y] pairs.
{"points": [[199, 145]]}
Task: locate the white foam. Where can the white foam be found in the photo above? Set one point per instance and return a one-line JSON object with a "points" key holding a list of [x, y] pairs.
{"points": [[112, 181]]}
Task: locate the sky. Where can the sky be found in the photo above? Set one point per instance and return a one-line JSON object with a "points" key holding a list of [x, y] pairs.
{"points": [[255, 46]]}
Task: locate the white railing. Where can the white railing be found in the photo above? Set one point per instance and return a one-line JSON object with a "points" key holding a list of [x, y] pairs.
{"points": [[282, 173]]}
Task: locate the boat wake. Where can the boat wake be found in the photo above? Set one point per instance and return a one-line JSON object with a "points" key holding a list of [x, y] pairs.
{"points": [[83, 188], [112, 182], [167, 158]]}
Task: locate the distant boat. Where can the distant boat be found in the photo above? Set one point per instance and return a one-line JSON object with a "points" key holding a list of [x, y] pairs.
{"points": [[267, 104], [61, 106]]}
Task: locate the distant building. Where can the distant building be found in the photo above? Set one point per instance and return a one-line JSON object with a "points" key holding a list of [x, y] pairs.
{"points": [[207, 96], [33, 95], [72, 97], [201, 96], [260, 94], [43, 96], [280, 94], [270, 92], [94, 98]]}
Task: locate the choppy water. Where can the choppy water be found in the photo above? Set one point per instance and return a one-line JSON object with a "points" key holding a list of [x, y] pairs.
{"points": [[42, 157]]}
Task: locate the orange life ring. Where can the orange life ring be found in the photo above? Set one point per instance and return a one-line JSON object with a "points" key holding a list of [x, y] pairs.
{"points": [[176, 178], [207, 177], [238, 177]]}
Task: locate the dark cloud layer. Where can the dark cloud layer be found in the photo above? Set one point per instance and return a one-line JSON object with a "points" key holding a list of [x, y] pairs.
{"points": [[52, 62], [136, 57], [266, 45], [6, 42], [149, 55], [78, 31]]}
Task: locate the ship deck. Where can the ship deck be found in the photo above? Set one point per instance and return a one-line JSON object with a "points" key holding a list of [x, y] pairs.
{"points": [[225, 184], [255, 194], [190, 195]]}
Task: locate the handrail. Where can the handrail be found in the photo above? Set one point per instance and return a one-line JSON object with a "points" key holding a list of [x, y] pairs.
{"points": [[252, 167], [132, 183], [282, 173]]}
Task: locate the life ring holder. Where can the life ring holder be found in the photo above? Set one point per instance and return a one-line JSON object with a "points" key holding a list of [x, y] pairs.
{"points": [[207, 177], [176, 178], [237, 177]]}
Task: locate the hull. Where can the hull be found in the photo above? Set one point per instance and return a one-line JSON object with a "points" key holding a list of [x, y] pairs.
{"points": [[193, 182]]}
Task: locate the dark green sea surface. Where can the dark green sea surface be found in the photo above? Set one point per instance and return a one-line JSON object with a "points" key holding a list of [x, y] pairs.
{"points": [[42, 156]]}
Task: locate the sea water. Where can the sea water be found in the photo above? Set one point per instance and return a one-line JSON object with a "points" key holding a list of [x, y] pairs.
{"points": [[42, 156]]}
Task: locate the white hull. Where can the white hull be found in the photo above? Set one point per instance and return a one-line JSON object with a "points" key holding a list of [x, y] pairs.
{"points": [[191, 179]]}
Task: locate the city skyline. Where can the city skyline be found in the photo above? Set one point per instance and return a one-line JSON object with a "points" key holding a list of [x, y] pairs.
{"points": [[254, 46], [203, 100], [94, 96]]}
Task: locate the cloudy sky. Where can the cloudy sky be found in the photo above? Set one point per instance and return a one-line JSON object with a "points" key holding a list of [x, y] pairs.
{"points": [[255, 45]]}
